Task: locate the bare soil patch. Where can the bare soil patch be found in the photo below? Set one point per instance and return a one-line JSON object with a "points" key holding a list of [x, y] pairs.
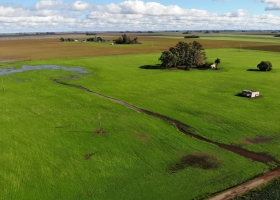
{"points": [[141, 136], [88, 156], [98, 131], [212, 119], [198, 160], [257, 140]]}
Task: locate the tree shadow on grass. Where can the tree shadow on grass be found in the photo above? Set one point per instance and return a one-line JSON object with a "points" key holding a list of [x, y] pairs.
{"points": [[254, 70], [240, 95], [157, 66]]}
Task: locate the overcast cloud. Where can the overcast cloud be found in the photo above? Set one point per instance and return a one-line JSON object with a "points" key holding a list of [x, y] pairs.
{"points": [[131, 15]]}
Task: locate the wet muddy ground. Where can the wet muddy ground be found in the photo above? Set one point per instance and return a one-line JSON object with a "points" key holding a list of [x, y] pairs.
{"points": [[11, 70]]}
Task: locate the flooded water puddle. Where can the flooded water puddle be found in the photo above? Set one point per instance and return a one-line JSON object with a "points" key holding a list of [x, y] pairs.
{"points": [[7, 61], [11, 70]]}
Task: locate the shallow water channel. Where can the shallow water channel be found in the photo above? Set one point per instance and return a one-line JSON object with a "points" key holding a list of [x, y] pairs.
{"points": [[12, 70]]}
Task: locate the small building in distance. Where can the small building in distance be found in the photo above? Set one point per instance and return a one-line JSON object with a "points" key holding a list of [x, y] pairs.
{"points": [[250, 93]]}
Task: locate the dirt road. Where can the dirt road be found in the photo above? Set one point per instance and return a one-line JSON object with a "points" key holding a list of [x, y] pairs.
{"points": [[247, 186]]}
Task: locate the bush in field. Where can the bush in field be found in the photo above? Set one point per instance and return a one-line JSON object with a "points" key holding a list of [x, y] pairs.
{"points": [[265, 66], [183, 54], [95, 39], [217, 62], [66, 39], [126, 40]]}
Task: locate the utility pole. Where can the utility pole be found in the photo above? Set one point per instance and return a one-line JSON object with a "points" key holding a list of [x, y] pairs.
{"points": [[99, 119]]}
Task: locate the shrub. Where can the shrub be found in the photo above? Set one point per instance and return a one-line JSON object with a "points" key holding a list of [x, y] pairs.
{"points": [[265, 66]]}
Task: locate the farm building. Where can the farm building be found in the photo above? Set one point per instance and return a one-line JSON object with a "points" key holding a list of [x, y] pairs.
{"points": [[250, 93]]}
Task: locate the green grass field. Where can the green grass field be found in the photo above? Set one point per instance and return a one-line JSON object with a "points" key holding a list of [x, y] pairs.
{"points": [[49, 151], [206, 100]]}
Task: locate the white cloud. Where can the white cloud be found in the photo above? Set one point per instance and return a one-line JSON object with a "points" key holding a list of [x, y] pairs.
{"points": [[78, 6], [9, 11], [272, 4], [55, 15], [44, 4], [238, 13]]}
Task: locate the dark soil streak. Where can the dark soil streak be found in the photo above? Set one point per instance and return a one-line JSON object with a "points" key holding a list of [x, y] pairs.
{"points": [[260, 157]]}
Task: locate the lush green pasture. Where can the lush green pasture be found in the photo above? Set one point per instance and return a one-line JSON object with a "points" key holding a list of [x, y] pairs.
{"points": [[46, 128], [206, 100], [46, 136]]}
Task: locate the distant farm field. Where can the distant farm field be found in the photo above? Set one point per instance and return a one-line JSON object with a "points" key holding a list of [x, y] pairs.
{"points": [[51, 147], [36, 48]]}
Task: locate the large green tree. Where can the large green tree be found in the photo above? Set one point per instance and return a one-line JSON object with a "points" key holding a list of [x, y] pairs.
{"points": [[183, 54]]}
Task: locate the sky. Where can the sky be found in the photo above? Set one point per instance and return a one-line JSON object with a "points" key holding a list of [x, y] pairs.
{"points": [[137, 15]]}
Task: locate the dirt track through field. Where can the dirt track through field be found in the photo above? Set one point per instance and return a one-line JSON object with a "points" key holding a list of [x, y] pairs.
{"points": [[247, 186], [184, 128]]}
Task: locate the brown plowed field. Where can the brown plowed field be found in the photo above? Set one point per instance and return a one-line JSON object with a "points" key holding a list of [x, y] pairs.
{"points": [[35, 48]]}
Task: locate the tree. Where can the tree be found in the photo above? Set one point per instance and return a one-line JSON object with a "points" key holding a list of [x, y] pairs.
{"points": [[199, 60], [183, 54], [175, 56], [126, 40], [167, 59], [265, 66], [217, 62]]}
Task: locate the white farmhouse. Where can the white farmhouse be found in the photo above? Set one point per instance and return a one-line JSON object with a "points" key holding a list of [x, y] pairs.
{"points": [[213, 66], [250, 93]]}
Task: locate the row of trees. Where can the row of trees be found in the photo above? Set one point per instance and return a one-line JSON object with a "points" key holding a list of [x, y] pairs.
{"points": [[66, 39], [96, 39], [183, 54], [92, 39], [126, 40]]}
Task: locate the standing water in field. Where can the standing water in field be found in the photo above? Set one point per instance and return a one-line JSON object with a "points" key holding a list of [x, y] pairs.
{"points": [[11, 70]]}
